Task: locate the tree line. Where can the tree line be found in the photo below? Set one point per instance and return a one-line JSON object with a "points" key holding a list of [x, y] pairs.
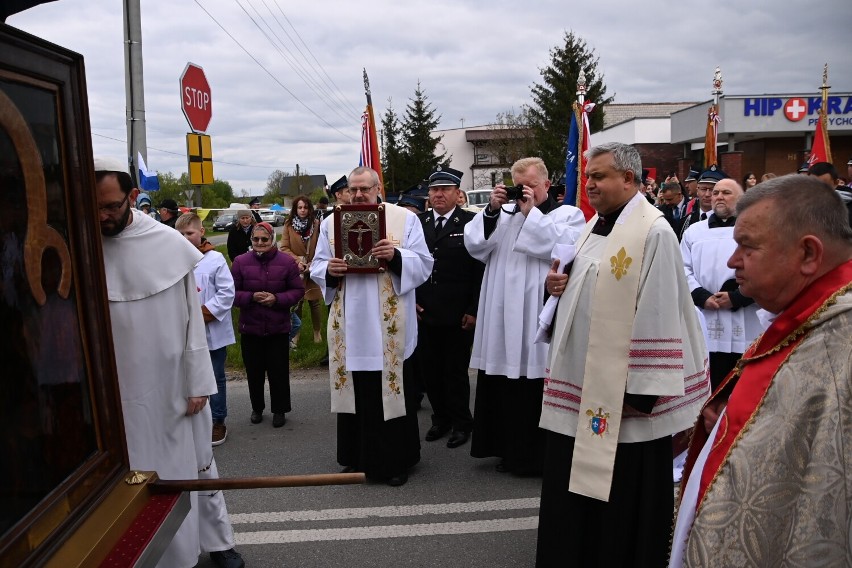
{"points": [[539, 128]]}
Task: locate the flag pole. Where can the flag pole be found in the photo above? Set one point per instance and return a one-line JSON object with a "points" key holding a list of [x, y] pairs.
{"points": [[578, 111], [373, 160], [711, 135], [823, 115]]}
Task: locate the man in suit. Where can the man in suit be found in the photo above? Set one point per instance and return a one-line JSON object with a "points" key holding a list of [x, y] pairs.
{"points": [[673, 205], [446, 308]]}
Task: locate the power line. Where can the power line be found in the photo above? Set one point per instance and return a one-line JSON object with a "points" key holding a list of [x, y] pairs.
{"points": [[217, 161], [333, 88], [297, 68], [273, 77]]}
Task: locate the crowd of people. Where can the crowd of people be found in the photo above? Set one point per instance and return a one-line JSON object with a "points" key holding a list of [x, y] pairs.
{"points": [[704, 308]]}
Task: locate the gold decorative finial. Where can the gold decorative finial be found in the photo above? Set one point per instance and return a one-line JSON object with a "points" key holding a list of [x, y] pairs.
{"points": [[136, 478], [717, 80], [825, 77]]}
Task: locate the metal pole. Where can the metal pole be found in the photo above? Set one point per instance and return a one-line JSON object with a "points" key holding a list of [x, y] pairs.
{"points": [[133, 84]]}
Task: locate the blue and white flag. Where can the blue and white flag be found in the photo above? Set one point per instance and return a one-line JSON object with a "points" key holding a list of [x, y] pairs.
{"points": [[148, 180]]}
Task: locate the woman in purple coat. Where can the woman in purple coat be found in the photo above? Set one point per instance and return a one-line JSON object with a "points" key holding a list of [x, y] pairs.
{"points": [[267, 285]]}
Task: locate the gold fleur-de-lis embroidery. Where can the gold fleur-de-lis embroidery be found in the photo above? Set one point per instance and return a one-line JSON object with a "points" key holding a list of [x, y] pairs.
{"points": [[620, 263]]}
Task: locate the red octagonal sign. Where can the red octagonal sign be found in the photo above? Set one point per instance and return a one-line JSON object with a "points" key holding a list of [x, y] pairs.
{"points": [[196, 101]]}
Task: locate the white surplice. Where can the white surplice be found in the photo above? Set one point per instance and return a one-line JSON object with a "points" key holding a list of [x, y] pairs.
{"points": [[216, 291], [517, 259], [705, 254], [363, 321], [161, 357]]}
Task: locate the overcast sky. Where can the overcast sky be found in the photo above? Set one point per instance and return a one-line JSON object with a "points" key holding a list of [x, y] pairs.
{"points": [[473, 59]]}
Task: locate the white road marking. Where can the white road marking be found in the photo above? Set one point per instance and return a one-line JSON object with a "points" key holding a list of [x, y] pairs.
{"points": [[389, 531], [394, 511]]}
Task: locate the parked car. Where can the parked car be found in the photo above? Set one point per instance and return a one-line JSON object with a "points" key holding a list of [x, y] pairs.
{"points": [[225, 222], [274, 218], [477, 199]]}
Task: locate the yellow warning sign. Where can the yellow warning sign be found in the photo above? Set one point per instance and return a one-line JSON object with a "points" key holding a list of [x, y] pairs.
{"points": [[199, 152]]}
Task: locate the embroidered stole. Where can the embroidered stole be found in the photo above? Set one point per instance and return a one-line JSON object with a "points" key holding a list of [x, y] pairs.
{"points": [[605, 377], [757, 369], [393, 333]]}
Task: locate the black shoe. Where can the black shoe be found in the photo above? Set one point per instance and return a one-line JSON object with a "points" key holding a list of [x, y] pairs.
{"points": [[278, 420], [227, 559], [256, 417], [324, 361], [502, 467], [398, 480], [457, 438], [436, 433], [349, 469]]}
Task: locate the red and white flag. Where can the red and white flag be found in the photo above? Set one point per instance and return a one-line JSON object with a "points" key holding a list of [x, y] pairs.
{"points": [[821, 149]]}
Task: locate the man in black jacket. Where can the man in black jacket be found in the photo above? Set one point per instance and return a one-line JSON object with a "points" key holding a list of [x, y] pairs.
{"points": [[446, 308]]}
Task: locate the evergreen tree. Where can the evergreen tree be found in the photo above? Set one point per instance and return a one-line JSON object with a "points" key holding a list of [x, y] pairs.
{"points": [[550, 112], [392, 149], [418, 154]]}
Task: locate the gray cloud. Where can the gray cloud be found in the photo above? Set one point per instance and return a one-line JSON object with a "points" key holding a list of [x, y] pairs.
{"points": [[473, 60]]}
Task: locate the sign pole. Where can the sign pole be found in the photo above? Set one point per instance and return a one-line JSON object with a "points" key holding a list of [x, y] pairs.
{"points": [[134, 86]]}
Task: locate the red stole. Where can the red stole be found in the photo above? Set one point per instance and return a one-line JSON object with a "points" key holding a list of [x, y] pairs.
{"points": [[756, 370]]}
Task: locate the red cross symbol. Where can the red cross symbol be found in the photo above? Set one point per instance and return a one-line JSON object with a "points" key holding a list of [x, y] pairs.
{"points": [[795, 109]]}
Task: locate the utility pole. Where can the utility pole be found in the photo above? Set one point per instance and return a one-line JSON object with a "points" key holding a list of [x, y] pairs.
{"points": [[134, 85], [298, 182]]}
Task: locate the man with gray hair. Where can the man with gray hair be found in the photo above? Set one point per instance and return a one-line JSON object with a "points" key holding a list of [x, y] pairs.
{"points": [[627, 369], [372, 333], [515, 242], [731, 316], [767, 479]]}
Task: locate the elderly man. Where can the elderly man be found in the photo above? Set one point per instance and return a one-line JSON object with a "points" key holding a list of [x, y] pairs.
{"points": [[731, 317], [372, 333], [515, 243], [169, 212], [769, 468], [446, 307], [164, 368], [703, 203], [626, 371]]}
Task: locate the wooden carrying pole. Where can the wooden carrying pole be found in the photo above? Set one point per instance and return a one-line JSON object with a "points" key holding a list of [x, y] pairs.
{"points": [[173, 485]]}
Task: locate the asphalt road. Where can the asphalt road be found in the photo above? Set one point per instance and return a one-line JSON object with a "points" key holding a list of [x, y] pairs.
{"points": [[217, 240], [454, 511]]}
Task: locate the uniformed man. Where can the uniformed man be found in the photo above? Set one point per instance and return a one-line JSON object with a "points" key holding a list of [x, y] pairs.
{"points": [[446, 309], [415, 198], [254, 205], [704, 197]]}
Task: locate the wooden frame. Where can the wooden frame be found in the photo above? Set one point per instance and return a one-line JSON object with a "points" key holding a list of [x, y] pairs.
{"points": [[352, 223], [59, 393]]}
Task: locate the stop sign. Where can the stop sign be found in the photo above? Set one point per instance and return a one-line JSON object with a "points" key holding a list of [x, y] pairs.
{"points": [[195, 97]]}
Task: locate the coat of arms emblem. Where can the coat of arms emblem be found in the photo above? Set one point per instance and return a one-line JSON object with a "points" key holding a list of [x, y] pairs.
{"points": [[597, 421]]}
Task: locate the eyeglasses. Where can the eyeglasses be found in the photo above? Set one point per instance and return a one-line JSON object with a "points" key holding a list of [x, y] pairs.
{"points": [[114, 207], [260, 239], [355, 190]]}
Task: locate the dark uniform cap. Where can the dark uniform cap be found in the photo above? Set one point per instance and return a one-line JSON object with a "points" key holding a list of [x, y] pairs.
{"points": [[805, 167], [692, 175], [169, 204], [443, 176], [713, 175], [340, 184], [255, 201], [415, 196]]}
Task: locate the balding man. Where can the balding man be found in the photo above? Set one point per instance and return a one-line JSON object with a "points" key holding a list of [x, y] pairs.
{"points": [[731, 317], [770, 484]]}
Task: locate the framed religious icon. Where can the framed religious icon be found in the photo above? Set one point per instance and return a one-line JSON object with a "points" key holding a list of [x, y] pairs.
{"points": [[357, 228], [64, 460]]}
